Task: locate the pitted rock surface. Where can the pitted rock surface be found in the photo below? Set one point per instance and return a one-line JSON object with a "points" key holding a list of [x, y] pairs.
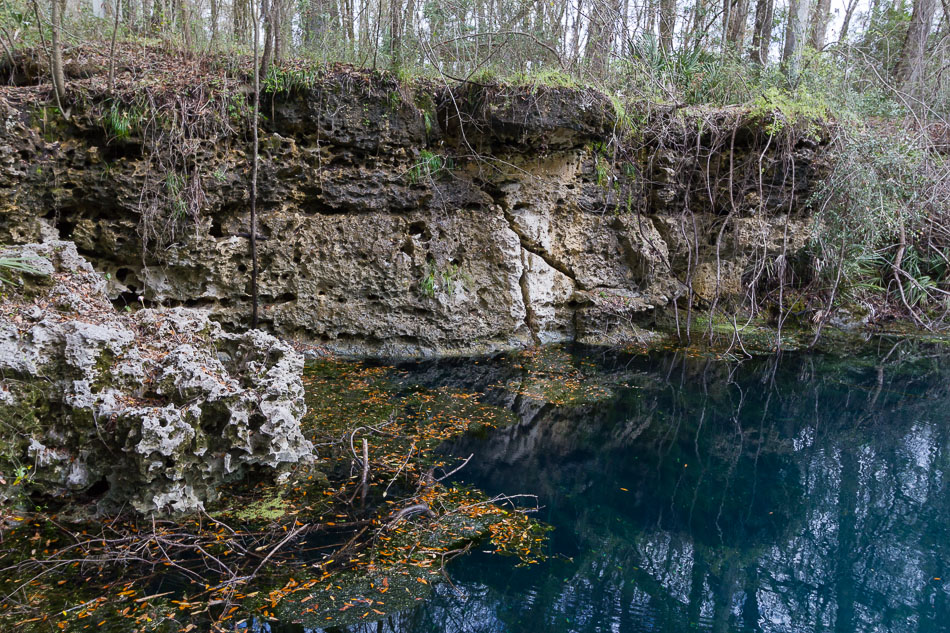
{"points": [[399, 219], [157, 408]]}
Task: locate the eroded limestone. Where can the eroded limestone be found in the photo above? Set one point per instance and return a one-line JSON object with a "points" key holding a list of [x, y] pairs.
{"points": [[155, 408]]}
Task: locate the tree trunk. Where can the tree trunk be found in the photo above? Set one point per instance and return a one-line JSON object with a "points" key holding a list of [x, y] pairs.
{"points": [[364, 31], [314, 23], [253, 214], [348, 19], [395, 34], [115, 31], [576, 33], [762, 36], [184, 16], [667, 24], [848, 14], [738, 15], [409, 23], [267, 11], [213, 18], [698, 29], [279, 10], [911, 61], [56, 55], [239, 20], [794, 28], [600, 36], [819, 24]]}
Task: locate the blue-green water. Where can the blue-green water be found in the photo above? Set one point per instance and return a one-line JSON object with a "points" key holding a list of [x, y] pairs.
{"points": [[794, 493]]}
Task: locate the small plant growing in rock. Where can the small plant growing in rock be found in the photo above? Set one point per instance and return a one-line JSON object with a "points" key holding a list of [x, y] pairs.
{"points": [[427, 120], [602, 172], [427, 286], [429, 165], [446, 280], [288, 80], [120, 122], [452, 276], [25, 265], [395, 100]]}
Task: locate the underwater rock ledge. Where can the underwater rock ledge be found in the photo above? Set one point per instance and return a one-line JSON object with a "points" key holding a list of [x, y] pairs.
{"points": [[153, 408]]}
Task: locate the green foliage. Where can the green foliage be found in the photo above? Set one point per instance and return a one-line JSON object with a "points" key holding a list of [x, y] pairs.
{"points": [[427, 286], [17, 16], [395, 100], [543, 78], [601, 171], [626, 123], [281, 80], [26, 265], [429, 165], [691, 76], [876, 185], [488, 76], [120, 121], [427, 121], [875, 207], [780, 110], [445, 280]]}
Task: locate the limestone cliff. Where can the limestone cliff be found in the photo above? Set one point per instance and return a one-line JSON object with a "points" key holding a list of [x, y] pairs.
{"points": [[416, 219]]}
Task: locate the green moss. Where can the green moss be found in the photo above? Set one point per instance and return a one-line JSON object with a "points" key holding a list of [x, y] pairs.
{"points": [[103, 371], [268, 508], [778, 110], [49, 120]]}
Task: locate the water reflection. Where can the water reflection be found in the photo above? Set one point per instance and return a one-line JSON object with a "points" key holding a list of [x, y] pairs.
{"points": [[802, 493]]}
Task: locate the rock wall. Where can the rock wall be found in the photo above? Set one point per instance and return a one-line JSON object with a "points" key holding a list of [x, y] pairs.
{"points": [[412, 220]]}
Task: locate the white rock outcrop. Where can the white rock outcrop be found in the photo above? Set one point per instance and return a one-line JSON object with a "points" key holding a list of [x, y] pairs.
{"points": [[154, 408]]}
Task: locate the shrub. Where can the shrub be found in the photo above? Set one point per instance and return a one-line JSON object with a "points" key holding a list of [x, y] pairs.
{"points": [[882, 217]]}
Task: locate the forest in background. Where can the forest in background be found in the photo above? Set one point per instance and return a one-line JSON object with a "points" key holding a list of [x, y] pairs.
{"points": [[692, 51]]}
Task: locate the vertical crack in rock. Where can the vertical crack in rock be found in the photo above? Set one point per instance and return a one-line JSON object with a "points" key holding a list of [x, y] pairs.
{"points": [[540, 252], [530, 316]]}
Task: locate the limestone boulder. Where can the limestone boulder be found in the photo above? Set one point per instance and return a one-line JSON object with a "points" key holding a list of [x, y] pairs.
{"points": [[151, 408]]}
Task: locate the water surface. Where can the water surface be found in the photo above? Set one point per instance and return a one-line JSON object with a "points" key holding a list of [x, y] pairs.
{"points": [[793, 493]]}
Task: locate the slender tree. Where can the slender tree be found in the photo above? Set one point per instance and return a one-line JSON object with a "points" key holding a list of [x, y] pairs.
{"points": [[846, 23], [819, 24], [794, 28], [267, 56], [56, 54], [911, 61], [254, 159], [735, 16], [395, 34], [667, 24], [762, 32], [600, 35], [239, 19], [115, 31], [184, 16]]}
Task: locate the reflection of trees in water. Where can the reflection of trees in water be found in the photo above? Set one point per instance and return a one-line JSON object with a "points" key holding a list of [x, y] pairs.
{"points": [[795, 494]]}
